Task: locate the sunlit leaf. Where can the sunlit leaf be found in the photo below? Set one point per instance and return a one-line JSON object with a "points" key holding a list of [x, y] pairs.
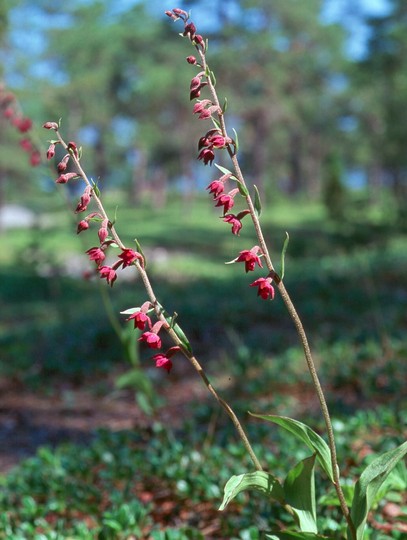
{"points": [[299, 490], [261, 481], [305, 434]]}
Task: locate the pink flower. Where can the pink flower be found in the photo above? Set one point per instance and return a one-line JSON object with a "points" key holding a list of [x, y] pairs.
{"points": [[250, 258], [153, 340], [96, 254], [265, 288], [108, 273], [73, 149], [207, 155], [162, 361], [140, 320], [128, 256], [103, 232]]}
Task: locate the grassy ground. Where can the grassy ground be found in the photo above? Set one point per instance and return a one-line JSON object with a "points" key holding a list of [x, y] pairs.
{"points": [[348, 281]]}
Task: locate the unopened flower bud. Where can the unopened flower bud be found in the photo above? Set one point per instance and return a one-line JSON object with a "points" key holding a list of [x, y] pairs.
{"points": [[51, 151], [82, 226], [64, 178], [63, 164], [191, 60], [51, 125]]}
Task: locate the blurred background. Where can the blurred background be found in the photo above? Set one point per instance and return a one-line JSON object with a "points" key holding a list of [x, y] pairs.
{"points": [[317, 92]]}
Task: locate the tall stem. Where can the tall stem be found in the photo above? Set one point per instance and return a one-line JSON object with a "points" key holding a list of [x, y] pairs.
{"points": [[290, 308]]}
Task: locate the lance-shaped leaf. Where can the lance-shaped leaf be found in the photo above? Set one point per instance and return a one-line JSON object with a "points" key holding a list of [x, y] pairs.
{"points": [[368, 485], [291, 535], [285, 246], [299, 490], [257, 201], [305, 434], [225, 171], [261, 481]]}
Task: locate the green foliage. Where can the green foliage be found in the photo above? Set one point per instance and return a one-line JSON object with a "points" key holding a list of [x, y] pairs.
{"points": [[369, 483]]}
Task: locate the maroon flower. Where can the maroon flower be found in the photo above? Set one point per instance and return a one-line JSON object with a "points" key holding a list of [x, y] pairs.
{"points": [[108, 273], [63, 164], [153, 340], [250, 258], [265, 288], [128, 256], [207, 156], [216, 187], [51, 125], [236, 223], [225, 200], [103, 232], [140, 320], [64, 178], [85, 200], [51, 151], [82, 226], [73, 149], [96, 254], [191, 60]]}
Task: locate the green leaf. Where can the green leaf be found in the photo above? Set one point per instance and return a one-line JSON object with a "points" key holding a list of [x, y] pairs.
{"points": [[368, 485], [224, 170], [182, 337], [242, 189], [236, 141], [261, 481], [257, 201], [305, 434], [225, 105], [138, 246], [288, 535], [299, 490], [130, 311], [283, 252]]}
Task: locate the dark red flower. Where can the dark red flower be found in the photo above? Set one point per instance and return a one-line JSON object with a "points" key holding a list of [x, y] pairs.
{"points": [[191, 60], [82, 226], [140, 320], [96, 254], [250, 258], [26, 145], [51, 151], [128, 256], [225, 200], [108, 273], [265, 288], [62, 165], [207, 156], [216, 187], [235, 222]]}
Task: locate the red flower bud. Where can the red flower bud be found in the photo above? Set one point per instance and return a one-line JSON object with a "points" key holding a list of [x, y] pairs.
{"points": [[51, 125]]}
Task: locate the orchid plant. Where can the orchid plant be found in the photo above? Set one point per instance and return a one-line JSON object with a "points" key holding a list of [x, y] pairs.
{"points": [[297, 492]]}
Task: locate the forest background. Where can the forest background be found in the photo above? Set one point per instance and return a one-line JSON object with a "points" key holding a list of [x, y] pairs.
{"points": [[317, 92]]}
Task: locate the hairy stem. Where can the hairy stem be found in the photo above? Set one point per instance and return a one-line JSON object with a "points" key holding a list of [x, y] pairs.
{"points": [[290, 308]]}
